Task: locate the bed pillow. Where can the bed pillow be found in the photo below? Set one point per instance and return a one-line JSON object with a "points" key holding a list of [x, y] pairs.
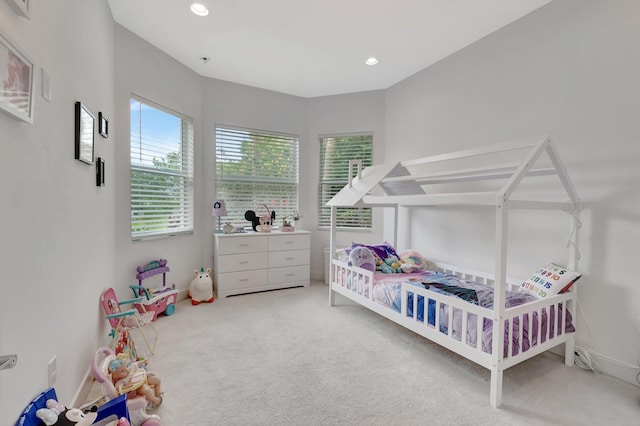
{"points": [[550, 280]]}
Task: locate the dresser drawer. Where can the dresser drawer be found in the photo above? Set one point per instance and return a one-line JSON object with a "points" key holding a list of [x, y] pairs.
{"points": [[289, 242], [288, 275], [239, 280], [282, 259], [238, 245], [242, 262]]}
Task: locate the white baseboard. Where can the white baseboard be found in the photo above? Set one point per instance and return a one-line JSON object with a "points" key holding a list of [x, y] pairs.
{"points": [[618, 369]]}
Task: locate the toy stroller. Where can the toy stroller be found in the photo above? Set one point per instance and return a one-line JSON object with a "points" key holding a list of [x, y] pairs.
{"points": [[137, 405]]}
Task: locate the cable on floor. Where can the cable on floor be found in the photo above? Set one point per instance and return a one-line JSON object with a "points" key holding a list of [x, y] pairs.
{"points": [[585, 360]]}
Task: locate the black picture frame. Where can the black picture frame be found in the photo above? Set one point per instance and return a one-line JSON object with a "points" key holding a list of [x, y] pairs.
{"points": [[84, 133], [99, 172], [103, 125]]}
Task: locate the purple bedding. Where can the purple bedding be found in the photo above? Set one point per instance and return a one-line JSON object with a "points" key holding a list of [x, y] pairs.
{"points": [[387, 292]]}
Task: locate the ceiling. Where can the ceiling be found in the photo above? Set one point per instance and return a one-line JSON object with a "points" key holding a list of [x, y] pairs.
{"points": [[313, 48]]}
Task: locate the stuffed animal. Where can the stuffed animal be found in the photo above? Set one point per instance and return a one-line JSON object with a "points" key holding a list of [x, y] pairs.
{"points": [[412, 261], [363, 258], [262, 223], [59, 415], [201, 287]]}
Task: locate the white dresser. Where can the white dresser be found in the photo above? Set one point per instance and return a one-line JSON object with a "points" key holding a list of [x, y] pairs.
{"points": [[254, 261]]}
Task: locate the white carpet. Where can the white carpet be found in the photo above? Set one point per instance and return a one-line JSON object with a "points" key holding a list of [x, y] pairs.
{"points": [[287, 358]]}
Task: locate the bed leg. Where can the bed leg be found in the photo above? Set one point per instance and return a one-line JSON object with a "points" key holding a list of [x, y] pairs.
{"points": [[496, 387], [332, 297], [569, 351]]}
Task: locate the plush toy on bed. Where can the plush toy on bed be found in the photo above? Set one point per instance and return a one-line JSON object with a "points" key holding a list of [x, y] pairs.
{"points": [[363, 258], [412, 261], [391, 265]]}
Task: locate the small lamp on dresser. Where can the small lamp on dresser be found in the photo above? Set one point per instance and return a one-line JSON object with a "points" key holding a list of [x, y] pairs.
{"points": [[218, 210]]}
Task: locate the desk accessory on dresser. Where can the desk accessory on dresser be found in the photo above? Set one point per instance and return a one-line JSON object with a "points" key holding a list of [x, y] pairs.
{"points": [[263, 223], [217, 210]]}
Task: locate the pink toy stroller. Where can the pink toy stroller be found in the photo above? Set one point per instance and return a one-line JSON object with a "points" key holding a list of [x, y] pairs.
{"points": [[137, 406]]}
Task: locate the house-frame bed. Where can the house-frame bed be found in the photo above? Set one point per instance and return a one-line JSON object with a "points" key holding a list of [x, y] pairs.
{"points": [[409, 183]]}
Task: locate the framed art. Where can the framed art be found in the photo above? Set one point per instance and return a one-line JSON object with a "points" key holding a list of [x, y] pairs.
{"points": [[16, 78], [103, 125], [22, 7], [99, 172], [85, 129]]}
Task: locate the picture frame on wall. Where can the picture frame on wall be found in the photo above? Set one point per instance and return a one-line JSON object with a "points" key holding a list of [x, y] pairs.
{"points": [[21, 7], [84, 133], [99, 172], [16, 78], [103, 125]]}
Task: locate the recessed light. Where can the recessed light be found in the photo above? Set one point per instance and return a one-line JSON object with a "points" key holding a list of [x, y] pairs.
{"points": [[199, 9], [372, 61]]}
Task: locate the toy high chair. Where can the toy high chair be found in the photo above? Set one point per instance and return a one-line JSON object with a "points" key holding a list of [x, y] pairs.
{"points": [[137, 406], [122, 321]]}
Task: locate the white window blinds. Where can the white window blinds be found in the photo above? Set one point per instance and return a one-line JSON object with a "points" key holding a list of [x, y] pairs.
{"points": [[254, 168], [162, 189], [335, 153]]}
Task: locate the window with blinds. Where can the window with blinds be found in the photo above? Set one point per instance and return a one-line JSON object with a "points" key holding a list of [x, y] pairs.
{"points": [[162, 192], [255, 168], [335, 153]]}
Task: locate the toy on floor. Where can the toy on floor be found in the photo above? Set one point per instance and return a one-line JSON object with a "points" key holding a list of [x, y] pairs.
{"points": [[201, 287], [123, 319], [160, 300], [136, 404], [132, 379], [59, 415], [45, 409]]}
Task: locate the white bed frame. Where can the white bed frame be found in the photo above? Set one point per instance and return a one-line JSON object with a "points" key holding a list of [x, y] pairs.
{"points": [[402, 188]]}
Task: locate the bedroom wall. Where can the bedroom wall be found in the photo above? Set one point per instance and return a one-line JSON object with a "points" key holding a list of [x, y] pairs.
{"points": [[143, 70], [350, 113], [57, 249], [233, 104], [569, 70]]}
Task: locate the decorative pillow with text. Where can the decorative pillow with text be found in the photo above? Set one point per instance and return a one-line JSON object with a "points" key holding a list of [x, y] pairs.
{"points": [[550, 280]]}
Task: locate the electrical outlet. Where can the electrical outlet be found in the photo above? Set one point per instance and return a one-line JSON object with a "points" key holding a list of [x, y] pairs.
{"points": [[53, 371]]}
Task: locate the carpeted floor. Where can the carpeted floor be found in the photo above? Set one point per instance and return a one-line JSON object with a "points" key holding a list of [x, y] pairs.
{"points": [[287, 358]]}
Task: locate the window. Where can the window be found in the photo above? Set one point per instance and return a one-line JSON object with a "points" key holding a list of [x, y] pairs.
{"points": [[335, 153], [255, 168], [161, 171]]}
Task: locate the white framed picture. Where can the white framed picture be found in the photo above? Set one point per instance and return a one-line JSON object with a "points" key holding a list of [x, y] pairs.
{"points": [[16, 81], [22, 7]]}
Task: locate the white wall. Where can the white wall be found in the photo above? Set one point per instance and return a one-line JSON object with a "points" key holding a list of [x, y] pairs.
{"points": [[145, 71], [570, 70], [340, 114], [232, 104], [57, 249]]}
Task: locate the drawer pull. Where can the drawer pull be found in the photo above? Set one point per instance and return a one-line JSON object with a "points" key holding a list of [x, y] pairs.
{"points": [[243, 262], [244, 279], [243, 245], [290, 275], [290, 242], [290, 258]]}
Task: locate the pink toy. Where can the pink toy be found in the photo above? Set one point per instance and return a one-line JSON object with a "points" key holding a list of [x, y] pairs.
{"points": [[201, 287], [158, 301], [132, 379], [136, 404]]}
